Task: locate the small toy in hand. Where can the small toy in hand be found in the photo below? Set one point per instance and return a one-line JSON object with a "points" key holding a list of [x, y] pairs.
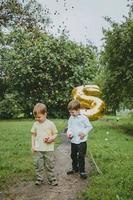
{"points": [[46, 139], [69, 136]]}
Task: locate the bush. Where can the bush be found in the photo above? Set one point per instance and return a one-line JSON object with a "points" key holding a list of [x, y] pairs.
{"points": [[9, 107]]}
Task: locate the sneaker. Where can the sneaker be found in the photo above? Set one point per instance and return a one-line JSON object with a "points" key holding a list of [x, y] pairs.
{"points": [[72, 171], [83, 175], [38, 182]]}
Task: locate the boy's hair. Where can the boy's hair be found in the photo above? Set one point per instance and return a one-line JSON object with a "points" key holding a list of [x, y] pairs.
{"points": [[73, 105], [39, 108]]}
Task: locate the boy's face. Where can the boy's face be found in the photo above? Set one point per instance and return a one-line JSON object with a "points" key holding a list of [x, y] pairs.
{"points": [[40, 117], [74, 113]]}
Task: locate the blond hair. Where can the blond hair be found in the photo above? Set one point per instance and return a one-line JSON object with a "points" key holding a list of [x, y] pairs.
{"points": [[39, 108]]}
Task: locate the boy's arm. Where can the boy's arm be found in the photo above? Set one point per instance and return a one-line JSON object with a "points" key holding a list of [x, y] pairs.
{"points": [[52, 138], [87, 128], [54, 134], [69, 130], [33, 136], [69, 125]]}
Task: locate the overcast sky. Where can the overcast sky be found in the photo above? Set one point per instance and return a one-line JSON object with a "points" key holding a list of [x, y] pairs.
{"points": [[84, 18]]}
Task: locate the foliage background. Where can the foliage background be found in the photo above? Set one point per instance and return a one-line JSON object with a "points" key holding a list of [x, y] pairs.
{"points": [[37, 67]]}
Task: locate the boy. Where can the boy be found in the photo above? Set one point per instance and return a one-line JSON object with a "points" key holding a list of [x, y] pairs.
{"points": [[78, 128], [44, 133]]}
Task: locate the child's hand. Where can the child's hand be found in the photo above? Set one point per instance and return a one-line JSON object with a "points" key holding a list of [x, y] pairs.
{"points": [[81, 135], [69, 136], [48, 139]]}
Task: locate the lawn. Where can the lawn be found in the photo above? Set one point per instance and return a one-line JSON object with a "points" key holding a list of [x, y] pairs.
{"points": [[110, 142], [111, 145], [16, 162]]}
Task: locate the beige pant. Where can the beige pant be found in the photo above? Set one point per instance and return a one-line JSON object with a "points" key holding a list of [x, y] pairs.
{"points": [[44, 164]]}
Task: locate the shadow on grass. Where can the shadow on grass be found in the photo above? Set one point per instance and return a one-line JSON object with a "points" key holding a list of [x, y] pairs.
{"points": [[127, 130]]}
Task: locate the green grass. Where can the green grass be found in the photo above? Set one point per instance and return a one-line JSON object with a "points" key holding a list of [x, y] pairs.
{"points": [[16, 162], [110, 142], [112, 149]]}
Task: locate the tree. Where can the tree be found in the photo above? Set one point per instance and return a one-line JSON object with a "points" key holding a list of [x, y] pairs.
{"points": [[42, 68], [36, 67], [24, 13], [118, 63]]}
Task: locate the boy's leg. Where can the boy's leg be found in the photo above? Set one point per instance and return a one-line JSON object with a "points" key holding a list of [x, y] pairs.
{"points": [[39, 167], [82, 153], [49, 163], [74, 157]]}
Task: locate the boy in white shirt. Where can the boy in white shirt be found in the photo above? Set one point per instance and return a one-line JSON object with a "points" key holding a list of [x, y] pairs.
{"points": [[44, 133], [78, 128]]}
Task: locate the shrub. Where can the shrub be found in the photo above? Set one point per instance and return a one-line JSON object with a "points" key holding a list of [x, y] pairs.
{"points": [[9, 107]]}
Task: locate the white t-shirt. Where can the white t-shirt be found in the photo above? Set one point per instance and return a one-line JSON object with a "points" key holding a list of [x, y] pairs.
{"points": [[42, 130], [79, 124]]}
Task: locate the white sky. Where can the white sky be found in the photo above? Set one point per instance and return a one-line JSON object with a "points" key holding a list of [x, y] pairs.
{"points": [[84, 18]]}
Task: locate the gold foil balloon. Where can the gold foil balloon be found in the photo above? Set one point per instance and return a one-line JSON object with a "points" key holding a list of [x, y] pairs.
{"points": [[91, 104]]}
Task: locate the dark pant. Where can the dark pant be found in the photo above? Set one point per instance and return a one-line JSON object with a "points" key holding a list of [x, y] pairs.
{"points": [[78, 152]]}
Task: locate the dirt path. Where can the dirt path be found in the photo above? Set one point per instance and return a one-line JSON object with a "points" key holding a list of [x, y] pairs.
{"points": [[69, 185]]}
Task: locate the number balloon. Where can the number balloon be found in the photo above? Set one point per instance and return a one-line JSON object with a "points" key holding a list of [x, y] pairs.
{"points": [[91, 104]]}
